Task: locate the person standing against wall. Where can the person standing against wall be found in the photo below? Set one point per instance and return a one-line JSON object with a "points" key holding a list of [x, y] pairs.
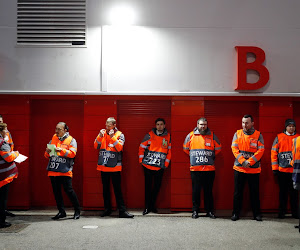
{"points": [[60, 168], [110, 142], [281, 156], [202, 145], [155, 156], [9, 140], [8, 172], [296, 165], [247, 148]]}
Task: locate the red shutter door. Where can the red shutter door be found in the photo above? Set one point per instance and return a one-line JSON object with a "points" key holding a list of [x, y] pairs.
{"points": [[135, 119]]}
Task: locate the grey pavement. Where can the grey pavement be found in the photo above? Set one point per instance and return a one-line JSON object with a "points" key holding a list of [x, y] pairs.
{"points": [[163, 231]]}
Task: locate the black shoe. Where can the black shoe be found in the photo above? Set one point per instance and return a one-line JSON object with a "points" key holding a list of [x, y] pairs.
{"points": [[10, 214], [195, 215], [125, 214], [59, 216], [76, 215], [146, 211], [211, 215], [281, 216], [235, 217], [106, 212], [154, 210], [258, 218], [5, 224]]}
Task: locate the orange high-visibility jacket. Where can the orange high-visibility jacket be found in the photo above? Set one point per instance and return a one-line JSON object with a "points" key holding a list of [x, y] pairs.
{"points": [[8, 168], [281, 152], [155, 150], [202, 150], [66, 156], [110, 154], [247, 149], [296, 162]]}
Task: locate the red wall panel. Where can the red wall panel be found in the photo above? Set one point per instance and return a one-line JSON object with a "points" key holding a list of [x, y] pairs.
{"points": [[224, 119], [45, 114], [32, 119], [15, 111], [96, 112], [272, 115], [185, 114]]}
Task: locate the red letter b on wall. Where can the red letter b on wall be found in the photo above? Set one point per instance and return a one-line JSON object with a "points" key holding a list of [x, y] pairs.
{"points": [[243, 66]]}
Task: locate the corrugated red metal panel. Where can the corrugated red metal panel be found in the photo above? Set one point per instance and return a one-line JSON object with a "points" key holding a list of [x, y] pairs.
{"points": [[135, 119]]}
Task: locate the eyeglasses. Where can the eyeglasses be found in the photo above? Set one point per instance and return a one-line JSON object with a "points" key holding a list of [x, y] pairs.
{"points": [[58, 129]]}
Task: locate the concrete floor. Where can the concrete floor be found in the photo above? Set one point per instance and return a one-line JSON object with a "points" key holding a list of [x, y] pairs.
{"points": [[163, 231]]}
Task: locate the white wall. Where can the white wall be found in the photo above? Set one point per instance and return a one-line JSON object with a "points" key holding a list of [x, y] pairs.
{"points": [[177, 47]]}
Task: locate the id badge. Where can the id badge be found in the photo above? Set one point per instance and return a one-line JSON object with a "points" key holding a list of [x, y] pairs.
{"points": [[208, 142], [253, 143]]}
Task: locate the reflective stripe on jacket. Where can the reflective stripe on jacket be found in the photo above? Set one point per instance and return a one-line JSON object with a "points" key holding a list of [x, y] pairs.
{"points": [[202, 150], [62, 165], [10, 141], [155, 150], [296, 160], [110, 154], [8, 168], [281, 152], [247, 149]]}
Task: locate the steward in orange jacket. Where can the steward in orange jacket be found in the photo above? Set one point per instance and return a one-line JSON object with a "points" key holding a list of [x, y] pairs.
{"points": [[8, 139], [155, 156], [281, 157], [110, 143], [296, 164], [110, 150], [247, 148], [202, 149], [60, 168], [8, 171], [202, 146]]}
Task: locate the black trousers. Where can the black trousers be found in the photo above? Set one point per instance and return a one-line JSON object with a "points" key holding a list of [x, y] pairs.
{"points": [[66, 182], [155, 177], [116, 181], [205, 180], [286, 188], [3, 201], [239, 184]]}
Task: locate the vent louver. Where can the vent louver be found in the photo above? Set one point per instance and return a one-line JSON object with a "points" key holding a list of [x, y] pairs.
{"points": [[51, 23]]}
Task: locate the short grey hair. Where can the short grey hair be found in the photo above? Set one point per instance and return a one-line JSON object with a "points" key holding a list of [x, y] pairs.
{"points": [[112, 120], [203, 119]]}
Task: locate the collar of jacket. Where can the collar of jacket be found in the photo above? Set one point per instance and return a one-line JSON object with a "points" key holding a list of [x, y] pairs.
{"points": [[249, 132], [197, 132], [65, 136], [285, 132], [163, 133]]}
